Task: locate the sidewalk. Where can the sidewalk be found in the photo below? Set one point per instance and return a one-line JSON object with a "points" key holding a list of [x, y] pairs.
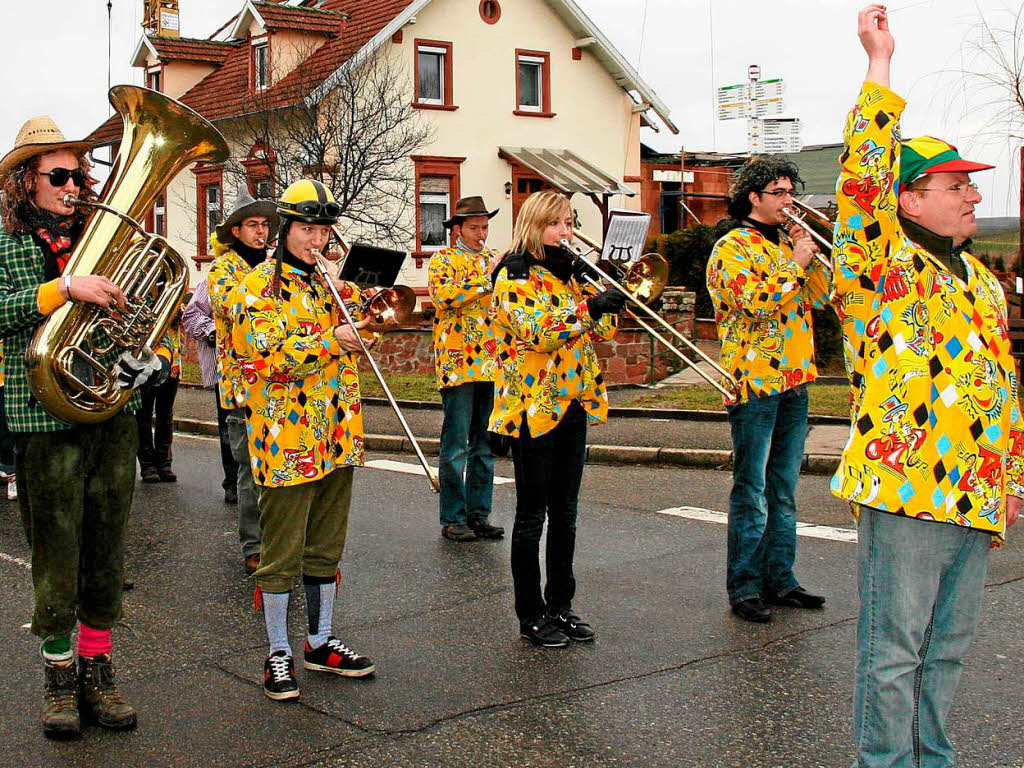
{"points": [[631, 436]]}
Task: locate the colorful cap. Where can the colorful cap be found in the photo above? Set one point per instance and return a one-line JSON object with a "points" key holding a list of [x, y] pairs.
{"points": [[926, 154]]}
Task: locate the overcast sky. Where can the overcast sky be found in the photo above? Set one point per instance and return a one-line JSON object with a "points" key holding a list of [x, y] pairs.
{"points": [[54, 57]]}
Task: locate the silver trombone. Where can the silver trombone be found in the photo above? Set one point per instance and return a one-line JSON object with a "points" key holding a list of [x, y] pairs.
{"points": [[645, 281], [823, 221], [392, 308]]}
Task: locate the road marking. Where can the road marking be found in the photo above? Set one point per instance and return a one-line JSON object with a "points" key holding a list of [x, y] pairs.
{"points": [[16, 560], [802, 529], [415, 469]]}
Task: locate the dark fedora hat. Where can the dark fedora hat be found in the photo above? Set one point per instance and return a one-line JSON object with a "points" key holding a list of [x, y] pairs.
{"points": [[468, 207], [245, 207]]}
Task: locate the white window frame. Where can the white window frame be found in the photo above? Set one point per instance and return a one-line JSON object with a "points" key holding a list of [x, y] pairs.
{"points": [[160, 214], [433, 198], [212, 208], [261, 79], [157, 73], [442, 55], [539, 62]]}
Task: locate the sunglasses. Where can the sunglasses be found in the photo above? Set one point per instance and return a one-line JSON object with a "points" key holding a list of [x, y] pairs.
{"points": [[316, 208], [59, 176]]}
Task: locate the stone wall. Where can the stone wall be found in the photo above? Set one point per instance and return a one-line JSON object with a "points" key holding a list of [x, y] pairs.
{"points": [[631, 357]]}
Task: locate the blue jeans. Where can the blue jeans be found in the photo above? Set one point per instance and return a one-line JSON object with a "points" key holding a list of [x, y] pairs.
{"points": [[466, 467], [921, 589], [768, 447]]}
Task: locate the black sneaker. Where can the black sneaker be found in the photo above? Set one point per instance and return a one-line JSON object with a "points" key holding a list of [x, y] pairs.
{"points": [[544, 632], [338, 659], [279, 681], [483, 529], [572, 626]]}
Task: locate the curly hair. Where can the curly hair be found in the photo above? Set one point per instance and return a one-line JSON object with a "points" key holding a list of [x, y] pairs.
{"points": [[756, 174], [19, 189]]}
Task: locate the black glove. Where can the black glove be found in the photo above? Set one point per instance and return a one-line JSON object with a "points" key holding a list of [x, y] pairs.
{"points": [[582, 269], [146, 368], [211, 338], [612, 301]]}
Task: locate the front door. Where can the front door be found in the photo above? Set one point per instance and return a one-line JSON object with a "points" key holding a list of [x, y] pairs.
{"points": [[524, 184]]}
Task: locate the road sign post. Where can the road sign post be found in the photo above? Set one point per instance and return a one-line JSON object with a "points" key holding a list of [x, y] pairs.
{"points": [[758, 100]]}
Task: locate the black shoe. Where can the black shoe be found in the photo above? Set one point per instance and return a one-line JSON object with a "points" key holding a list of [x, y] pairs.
{"points": [[252, 563], [98, 696], [230, 496], [798, 597], [572, 626], [60, 711], [166, 475], [483, 529], [337, 658], [544, 632], [150, 475], [458, 532], [752, 609], [279, 681]]}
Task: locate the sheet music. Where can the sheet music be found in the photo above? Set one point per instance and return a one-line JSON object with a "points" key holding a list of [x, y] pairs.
{"points": [[626, 236]]}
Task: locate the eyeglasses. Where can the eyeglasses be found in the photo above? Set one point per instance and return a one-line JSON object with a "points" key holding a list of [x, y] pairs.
{"points": [[960, 189], [316, 208], [777, 192], [59, 176]]}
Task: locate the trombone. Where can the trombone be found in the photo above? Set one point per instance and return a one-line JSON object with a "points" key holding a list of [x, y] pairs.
{"points": [[822, 225], [644, 282], [388, 308]]}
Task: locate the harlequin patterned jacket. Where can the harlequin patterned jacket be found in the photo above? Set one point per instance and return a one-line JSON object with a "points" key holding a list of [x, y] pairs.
{"points": [[546, 356], [460, 288], [303, 409], [763, 302], [936, 430], [226, 272]]}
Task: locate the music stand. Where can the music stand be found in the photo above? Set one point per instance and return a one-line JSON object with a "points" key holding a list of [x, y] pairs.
{"points": [[369, 265]]}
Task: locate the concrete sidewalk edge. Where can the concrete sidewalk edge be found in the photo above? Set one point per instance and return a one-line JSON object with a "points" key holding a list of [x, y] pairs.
{"points": [[694, 458]]}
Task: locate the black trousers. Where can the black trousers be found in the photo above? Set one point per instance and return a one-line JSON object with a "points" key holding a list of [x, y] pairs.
{"points": [[227, 459], [549, 471], [155, 419]]}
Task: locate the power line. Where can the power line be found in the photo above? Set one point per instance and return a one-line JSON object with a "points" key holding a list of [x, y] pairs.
{"points": [[711, 42], [110, 4]]}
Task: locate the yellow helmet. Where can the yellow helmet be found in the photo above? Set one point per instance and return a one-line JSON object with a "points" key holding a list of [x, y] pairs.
{"points": [[310, 201]]}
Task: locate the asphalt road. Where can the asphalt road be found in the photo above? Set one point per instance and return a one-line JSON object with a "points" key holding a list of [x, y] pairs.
{"points": [[673, 679]]}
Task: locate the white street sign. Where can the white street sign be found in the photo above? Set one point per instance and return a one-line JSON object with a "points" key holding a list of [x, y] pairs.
{"points": [[731, 102], [774, 136]]}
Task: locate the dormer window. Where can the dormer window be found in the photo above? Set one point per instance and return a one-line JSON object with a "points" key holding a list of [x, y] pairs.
{"points": [[153, 78], [260, 64]]}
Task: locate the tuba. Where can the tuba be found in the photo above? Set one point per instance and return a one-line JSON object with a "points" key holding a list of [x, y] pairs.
{"points": [[72, 354]]}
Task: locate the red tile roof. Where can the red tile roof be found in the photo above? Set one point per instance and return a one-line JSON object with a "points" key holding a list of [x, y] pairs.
{"points": [[314, 20], [183, 48], [224, 93]]}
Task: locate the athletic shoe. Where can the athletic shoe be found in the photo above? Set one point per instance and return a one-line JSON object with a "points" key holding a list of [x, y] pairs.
{"points": [[572, 626], [279, 681], [338, 659], [544, 632]]}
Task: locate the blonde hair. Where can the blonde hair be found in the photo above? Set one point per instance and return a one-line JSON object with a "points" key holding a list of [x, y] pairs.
{"points": [[539, 210]]}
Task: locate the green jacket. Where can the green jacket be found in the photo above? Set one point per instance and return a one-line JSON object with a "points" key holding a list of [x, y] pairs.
{"points": [[21, 274]]}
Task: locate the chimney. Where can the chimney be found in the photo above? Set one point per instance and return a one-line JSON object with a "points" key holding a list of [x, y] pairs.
{"points": [[160, 17]]}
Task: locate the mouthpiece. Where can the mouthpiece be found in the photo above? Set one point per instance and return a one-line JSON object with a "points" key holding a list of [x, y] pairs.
{"points": [[70, 200]]}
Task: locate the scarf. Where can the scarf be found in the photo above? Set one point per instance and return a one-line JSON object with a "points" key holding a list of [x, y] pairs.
{"points": [[54, 235]]}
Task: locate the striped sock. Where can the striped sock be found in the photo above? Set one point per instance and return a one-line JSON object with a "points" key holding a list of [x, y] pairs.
{"points": [[57, 650]]}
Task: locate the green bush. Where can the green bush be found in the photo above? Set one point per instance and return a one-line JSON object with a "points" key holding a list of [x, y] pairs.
{"points": [[687, 252]]}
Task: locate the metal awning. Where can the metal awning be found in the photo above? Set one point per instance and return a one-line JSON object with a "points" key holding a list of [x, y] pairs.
{"points": [[567, 171]]}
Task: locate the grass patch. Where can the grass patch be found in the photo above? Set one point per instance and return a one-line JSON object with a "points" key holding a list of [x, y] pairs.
{"points": [[404, 386], [190, 373], [824, 399]]}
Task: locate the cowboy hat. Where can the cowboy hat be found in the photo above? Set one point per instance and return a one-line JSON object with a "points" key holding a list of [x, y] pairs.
{"points": [[37, 136], [468, 207], [246, 207]]}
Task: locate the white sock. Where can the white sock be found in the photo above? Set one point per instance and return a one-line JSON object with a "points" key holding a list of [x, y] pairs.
{"points": [[275, 613]]}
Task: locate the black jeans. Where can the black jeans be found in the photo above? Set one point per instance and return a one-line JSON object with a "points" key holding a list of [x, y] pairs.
{"points": [[227, 459], [549, 471], [155, 419]]}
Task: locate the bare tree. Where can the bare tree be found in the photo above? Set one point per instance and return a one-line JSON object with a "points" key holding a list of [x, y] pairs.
{"points": [[355, 134]]}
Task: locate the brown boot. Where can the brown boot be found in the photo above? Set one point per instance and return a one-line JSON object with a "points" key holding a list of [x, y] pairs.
{"points": [[60, 712], [98, 695]]}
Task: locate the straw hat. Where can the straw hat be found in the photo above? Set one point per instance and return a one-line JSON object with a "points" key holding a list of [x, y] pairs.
{"points": [[36, 137]]}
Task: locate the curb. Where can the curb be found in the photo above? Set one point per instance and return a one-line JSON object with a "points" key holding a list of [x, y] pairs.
{"points": [[616, 455]]}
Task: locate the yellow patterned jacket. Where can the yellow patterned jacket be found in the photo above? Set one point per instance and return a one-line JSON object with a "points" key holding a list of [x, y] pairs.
{"points": [[226, 272], [936, 429], [763, 302], [546, 356], [460, 288], [303, 410]]}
